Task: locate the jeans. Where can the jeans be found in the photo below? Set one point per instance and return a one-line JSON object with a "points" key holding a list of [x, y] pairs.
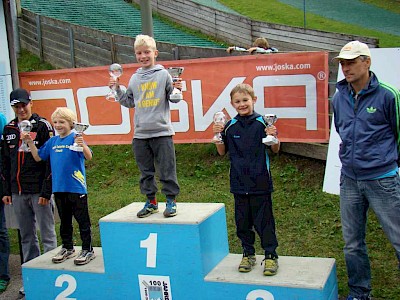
{"points": [[383, 196], [29, 212], [4, 246]]}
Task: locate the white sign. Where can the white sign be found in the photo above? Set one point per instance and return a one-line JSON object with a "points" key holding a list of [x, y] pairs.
{"points": [[5, 70], [385, 63], [154, 287]]}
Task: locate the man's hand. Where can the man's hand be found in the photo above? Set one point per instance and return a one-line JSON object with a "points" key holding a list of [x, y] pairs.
{"points": [[43, 201], [7, 200]]}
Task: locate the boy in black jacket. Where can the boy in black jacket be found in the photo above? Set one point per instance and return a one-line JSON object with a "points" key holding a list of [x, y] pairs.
{"points": [[250, 178], [27, 183]]}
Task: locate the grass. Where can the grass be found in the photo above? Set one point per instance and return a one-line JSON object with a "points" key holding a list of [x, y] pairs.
{"points": [[307, 219], [280, 13]]}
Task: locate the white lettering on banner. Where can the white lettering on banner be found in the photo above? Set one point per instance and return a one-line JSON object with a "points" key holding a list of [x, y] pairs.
{"points": [[183, 124], [66, 94], [83, 94], [201, 122], [309, 112]]}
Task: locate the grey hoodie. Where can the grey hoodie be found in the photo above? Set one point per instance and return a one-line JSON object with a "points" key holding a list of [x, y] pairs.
{"points": [[148, 92]]}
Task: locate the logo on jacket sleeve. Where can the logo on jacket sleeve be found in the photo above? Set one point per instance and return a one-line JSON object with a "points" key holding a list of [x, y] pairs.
{"points": [[371, 110]]}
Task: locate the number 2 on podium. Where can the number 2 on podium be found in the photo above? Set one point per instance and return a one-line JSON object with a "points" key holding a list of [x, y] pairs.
{"points": [[151, 245]]}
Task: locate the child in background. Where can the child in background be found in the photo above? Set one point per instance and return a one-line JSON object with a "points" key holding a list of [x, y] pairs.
{"points": [[149, 91], [250, 178], [69, 183], [260, 46]]}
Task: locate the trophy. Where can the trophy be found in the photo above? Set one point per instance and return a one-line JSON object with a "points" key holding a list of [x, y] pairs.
{"points": [[25, 126], [270, 119], [115, 71], [80, 128], [219, 118], [175, 72]]}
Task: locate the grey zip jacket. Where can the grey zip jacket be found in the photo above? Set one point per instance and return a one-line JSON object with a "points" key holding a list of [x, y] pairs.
{"points": [[148, 92]]}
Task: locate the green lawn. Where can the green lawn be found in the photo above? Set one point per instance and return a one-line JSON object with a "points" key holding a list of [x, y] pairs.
{"points": [[277, 12]]}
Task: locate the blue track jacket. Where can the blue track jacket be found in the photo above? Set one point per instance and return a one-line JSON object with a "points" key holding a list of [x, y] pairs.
{"points": [[250, 172], [368, 127]]}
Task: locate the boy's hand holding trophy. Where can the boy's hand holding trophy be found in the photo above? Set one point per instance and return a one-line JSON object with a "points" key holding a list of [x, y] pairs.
{"points": [[79, 128], [175, 73], [271, 138], [115, 71], [25, 128], [219, 123]]}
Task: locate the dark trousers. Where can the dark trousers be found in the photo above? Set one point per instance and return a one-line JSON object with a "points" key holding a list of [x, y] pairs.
{"points": [[254, 212], [74, 205]]}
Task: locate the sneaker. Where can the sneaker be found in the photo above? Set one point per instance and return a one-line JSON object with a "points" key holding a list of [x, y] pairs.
{"points": [[21, 291], [147, 210], [247, 263], [358, 298], [84, 257], [170, 208], [270, 266], [3, 285], [63, 255]]}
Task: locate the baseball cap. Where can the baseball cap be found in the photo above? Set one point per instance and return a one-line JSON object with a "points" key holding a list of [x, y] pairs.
{"points": [[353, 50], [19, 96]]}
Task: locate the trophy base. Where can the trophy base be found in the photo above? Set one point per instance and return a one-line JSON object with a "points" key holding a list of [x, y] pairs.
{"points": [[270, 140], [217, 141], [176, 97], [76, 148]]}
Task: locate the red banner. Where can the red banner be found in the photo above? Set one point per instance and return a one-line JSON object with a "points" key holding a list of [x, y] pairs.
{"points": [[294, 86]]}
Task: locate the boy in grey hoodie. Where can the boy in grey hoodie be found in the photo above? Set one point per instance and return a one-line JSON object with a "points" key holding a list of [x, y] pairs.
{"points": [[149, 91]]}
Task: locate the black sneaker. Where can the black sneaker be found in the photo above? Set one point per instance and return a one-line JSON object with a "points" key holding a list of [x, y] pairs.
{"points": [[84, 257], [63, 255]]}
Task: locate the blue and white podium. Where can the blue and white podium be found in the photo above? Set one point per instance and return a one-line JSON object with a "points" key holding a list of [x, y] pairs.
{"points": [[179, 258]]}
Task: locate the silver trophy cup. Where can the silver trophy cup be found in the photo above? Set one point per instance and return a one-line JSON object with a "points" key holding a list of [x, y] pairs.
{"points": [[219, 118], [176, 72], [25, 126], [79, 128], [269, 140], [115, 71]]}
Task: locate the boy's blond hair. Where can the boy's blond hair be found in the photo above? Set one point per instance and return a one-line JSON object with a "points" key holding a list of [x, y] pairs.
{"points": [[243, 88], [66, 114], [261, 43], [144, 40]]}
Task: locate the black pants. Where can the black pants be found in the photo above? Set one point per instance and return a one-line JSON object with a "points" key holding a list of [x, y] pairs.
{"points": [[255, 211], [68, 205]]}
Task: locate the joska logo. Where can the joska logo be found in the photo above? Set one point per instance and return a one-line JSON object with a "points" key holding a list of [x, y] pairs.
{"points": [[11, 137]]}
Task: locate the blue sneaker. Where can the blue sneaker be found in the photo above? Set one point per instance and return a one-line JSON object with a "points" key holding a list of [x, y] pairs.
{"points": [[147, 210], [170, 208]]}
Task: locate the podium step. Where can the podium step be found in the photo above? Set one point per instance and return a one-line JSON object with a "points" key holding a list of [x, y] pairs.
{"points": [[179, 258], [293, 272], [44, 262]]}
